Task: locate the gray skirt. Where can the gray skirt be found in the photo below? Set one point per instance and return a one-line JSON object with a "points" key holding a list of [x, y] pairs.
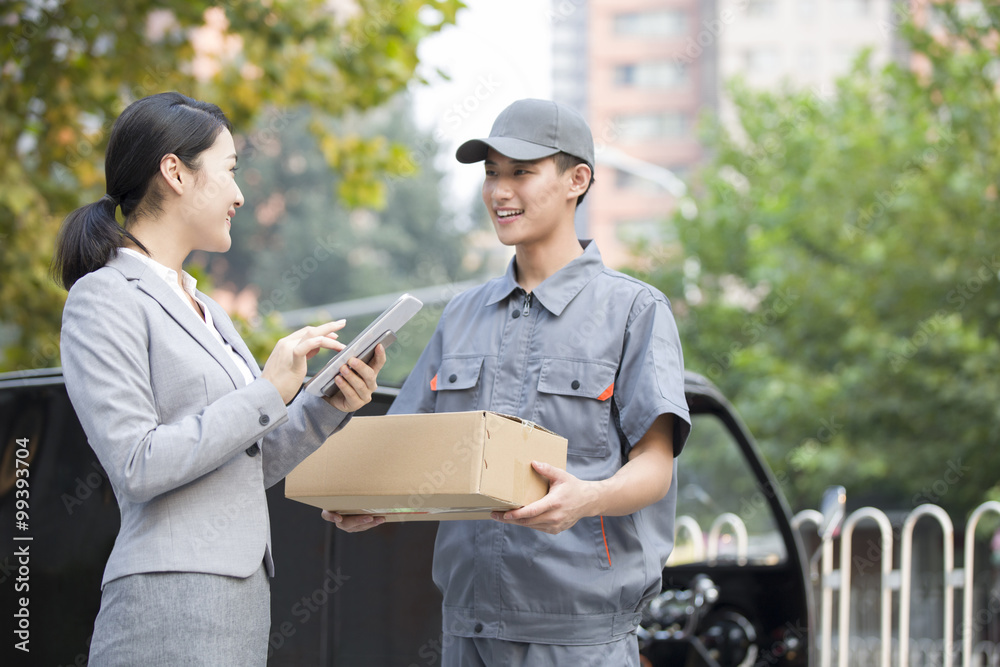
{"points": [[183, 618]]}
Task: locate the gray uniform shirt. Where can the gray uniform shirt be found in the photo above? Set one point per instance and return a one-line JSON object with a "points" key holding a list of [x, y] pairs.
{"points": [[593, 355]]}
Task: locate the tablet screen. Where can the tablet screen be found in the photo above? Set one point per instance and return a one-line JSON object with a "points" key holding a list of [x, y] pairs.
{"points": [[382, 330]]}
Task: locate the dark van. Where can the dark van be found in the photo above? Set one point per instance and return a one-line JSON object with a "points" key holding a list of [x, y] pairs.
{"points": [[735, 591]]}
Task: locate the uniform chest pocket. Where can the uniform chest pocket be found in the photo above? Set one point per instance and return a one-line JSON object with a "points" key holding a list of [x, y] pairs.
{"points": [[457, 384], [574, 401]]}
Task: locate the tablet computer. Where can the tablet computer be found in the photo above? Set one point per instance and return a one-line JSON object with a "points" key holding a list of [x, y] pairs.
{"points": [[382, 330]]}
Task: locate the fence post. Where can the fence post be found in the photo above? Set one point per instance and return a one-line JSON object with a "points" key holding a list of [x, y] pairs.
{"points": [[905, 566], [825, 583], [970, 546], [844, 624], [689, 524], [739, 528]]}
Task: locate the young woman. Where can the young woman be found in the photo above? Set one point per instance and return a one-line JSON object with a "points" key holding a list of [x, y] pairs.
{"points": [[188, 428]]}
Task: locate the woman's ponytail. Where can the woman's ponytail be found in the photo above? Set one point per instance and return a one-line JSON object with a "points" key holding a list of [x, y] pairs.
{"points": [[89, 237]]}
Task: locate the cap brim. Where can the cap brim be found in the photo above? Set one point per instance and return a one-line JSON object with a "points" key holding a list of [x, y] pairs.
{"points": [[475, 150]]}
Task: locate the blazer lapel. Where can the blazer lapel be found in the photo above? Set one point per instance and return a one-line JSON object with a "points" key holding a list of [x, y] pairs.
{"points": [[225, 326], [156, 288]]}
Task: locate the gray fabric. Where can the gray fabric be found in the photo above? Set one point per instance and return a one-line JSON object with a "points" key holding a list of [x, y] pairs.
{"points": [[188, 447], [593, 355], [479, 652], [172, 619], [531, 129]]}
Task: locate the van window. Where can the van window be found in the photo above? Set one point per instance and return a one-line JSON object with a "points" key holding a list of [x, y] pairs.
{"points": [[724, 514]]}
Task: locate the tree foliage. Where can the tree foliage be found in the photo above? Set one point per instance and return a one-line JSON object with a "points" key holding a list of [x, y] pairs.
{"points": [[840, 279], [295, 245], [67, 69]]}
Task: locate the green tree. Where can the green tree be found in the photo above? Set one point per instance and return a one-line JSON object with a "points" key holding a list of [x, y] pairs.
{"points": [[301, 247], [840, 279], [67, 69], [296, 246]]}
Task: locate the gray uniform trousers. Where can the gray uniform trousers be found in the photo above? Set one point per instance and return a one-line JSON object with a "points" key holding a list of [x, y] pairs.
{"points": [[475, 652]]}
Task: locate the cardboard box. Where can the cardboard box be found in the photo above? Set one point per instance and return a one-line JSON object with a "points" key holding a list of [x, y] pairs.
{"points": [[428, 467]]}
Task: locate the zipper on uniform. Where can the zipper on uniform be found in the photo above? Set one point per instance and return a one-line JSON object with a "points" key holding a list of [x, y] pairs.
{"points": [[527, 305]]}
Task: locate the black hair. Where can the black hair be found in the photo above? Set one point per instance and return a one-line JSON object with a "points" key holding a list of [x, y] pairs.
{"points": [[148, 129], [565, 162]]}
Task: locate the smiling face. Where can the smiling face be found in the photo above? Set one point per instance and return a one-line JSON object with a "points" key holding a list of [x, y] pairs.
{"points": [[530, 202], [211, 201]]}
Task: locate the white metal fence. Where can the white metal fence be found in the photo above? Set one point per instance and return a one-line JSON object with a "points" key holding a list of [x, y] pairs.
{"points": [[908, 652]]}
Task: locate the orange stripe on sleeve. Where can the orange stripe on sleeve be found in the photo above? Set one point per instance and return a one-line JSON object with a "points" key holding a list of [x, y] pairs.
{"points": [[606, 394], [604, 535], [434, 383]]}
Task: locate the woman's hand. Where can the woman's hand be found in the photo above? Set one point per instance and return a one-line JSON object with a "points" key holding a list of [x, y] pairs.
{"points": [[286, 367], [355, 523], [356, 382]]}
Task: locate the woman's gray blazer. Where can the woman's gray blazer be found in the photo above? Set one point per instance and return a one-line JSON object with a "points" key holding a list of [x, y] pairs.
{"points": [[188, 447]]}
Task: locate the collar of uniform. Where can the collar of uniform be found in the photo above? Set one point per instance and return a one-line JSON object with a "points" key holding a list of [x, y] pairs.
{"points": [[502, 287], [560, 288]]}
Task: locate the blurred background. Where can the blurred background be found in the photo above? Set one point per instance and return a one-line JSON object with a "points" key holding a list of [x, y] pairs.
{"points": [[813, 184]]}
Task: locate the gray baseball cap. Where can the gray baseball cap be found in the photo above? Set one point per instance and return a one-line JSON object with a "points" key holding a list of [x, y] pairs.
{"points": [[532, 129]]}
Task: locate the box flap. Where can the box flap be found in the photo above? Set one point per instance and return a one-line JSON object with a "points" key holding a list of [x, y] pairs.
{"points": [[511, 445]]}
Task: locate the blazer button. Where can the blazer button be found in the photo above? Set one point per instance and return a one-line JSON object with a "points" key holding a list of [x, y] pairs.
{"points": [[452, 378], [478, 628], [575, 384], [264, 420], [253, 450]]}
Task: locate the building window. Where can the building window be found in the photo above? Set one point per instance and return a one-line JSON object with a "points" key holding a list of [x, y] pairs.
{"points": [[651, 126], [665, 23], [654, 74]]}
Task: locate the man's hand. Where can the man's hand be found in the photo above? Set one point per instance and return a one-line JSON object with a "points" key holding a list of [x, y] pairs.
{"points": [[569, 499], [643, 480]]}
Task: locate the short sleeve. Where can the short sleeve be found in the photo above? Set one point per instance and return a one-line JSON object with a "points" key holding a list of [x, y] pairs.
{"points": [[651, 377]]}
